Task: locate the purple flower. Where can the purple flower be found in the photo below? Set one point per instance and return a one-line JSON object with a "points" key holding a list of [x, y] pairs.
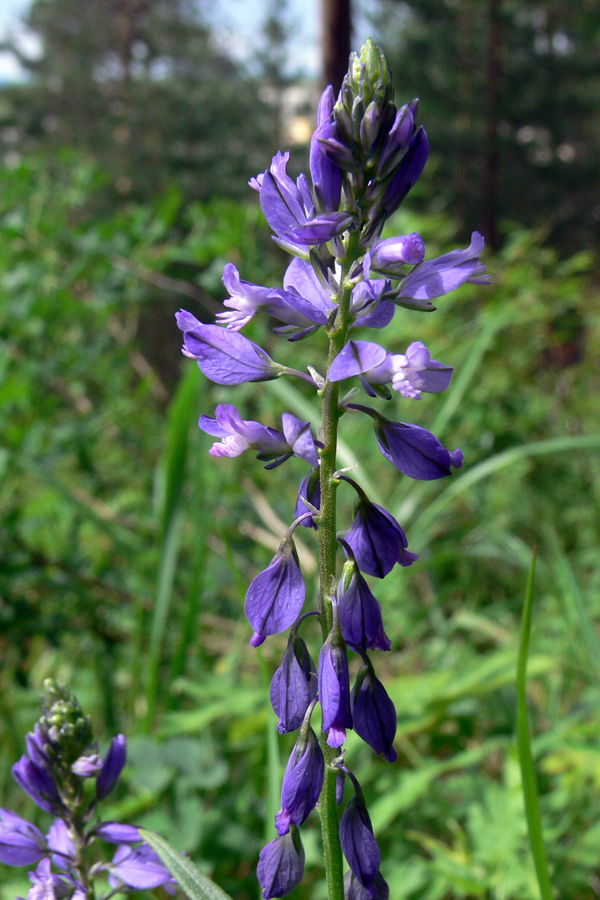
{"points": [[112, 766], [289, 209], [21, 843], [281, 865], [390, 255], [359, 610], [415, 451], [224, 356], [38, 783], [358, 842], [376, 539], [409, 373], [396, 141], [294, 685], [326, 175], [300, 314], [436, 277], [138, 867], [239, 435], [373, 714], [302, 782], [334, 687], [276, 596], [310, 489], [353, 889]]}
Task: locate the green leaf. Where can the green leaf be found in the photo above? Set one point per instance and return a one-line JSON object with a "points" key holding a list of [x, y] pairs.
{"points": [[530, 792], [196, 885]]}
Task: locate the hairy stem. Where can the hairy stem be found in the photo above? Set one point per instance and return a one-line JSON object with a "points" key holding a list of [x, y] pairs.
{"points": [[327, 567]]}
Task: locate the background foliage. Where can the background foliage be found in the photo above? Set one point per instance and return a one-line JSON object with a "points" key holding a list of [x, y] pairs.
{"points": [[126, 550]]}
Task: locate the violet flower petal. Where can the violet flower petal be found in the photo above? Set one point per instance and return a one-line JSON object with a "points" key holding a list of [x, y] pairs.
{"points": [[436, 277], [360, 611], [116, 833], [358, 842], [299, 437], [374, 714], [281, 865], [356, 357], [38, 784], [112, 767], [21, 843], [302, 782], [310, 489], [353, 889], [334, 691], [138, 867], [227, 357], [415, 451], [294, 685], [276, 596]]}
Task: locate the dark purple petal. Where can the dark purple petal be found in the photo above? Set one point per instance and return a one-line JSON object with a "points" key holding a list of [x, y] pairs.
{"points": [[359, 611], [415, 451], [302, 782], [227, 357], [353, 889], [373, 714], [38, 784], [281, 865], [355, 358], [113, 766], [375, 539], [407, 173], [294, 685], [334, 691], [276, 596], [358, 842], [326, 175], [21, 843], [396, 141]]}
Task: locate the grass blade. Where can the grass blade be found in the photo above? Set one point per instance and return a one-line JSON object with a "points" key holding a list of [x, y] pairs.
{"points": [[190, 879], [530, 793]]}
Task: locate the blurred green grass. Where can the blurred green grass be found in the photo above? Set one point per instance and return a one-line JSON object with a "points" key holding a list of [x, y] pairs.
{"points": [[126, 550]]}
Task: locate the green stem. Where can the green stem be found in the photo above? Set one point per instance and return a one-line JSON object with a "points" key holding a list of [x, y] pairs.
{"points": [[328, 546]]}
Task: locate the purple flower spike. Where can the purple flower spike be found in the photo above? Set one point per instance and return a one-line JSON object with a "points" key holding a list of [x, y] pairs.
{"points": [[334, 687], [224, 356], [36, 782], [112, 767], [353, 889], [302, 782], [276, 596], [294, 685], [21, 843], [310, 489], [436, 277], [376, 539], [139, 868], [415, 451], [390, 255], [281, 865], [374, 714], [358, 843], [359, 610]]}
